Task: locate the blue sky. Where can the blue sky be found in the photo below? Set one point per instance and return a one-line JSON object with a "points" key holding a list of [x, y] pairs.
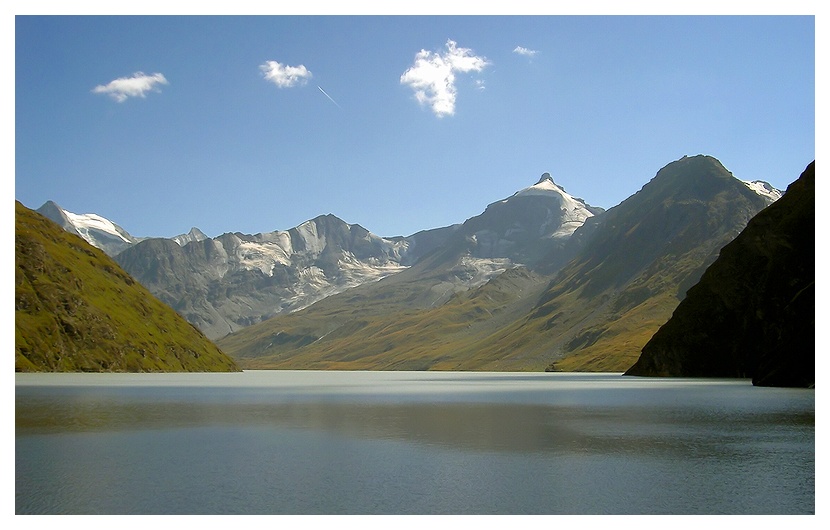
{"points": [[398, 123]]}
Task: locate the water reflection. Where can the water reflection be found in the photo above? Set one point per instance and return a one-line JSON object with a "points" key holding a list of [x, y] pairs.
{"points": [[473, 426], [410, 443]]}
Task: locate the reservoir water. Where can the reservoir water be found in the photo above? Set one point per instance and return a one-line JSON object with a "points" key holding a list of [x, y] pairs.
{"points": [[305, 442]]}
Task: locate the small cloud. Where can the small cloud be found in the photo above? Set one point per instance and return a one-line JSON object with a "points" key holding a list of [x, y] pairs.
{"points": [[136, 86], [480, 84], [521, 50], [432, 76], [285, 76]]}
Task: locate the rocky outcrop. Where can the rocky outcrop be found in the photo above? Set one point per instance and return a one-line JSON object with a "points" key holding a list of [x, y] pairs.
{"points": [[752, 314]]}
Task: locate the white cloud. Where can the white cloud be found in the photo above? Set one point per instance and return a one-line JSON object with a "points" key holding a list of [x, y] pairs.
{"points": [[129, 87], [285, 76], [521, 50], [432, 76]]}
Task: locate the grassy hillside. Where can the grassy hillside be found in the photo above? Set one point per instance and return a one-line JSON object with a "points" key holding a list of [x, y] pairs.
{"points": [[359, 330], [77, 310]]}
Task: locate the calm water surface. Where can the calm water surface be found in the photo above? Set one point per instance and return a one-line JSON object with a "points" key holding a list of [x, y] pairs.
{"points": [[295, 442]]}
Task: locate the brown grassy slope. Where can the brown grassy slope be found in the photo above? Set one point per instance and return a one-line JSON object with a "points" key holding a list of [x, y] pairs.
{"points": [[77, 310], [358, 331]]}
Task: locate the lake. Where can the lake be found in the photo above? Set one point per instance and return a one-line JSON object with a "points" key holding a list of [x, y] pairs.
{"points": [[309, 442]]}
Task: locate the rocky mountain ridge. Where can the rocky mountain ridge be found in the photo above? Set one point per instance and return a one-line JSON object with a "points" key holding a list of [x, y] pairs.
{"points": [[587, 302], [225, 283], [232, 281]]}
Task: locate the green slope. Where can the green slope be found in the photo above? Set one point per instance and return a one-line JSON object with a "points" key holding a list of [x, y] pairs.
{"points": [[77, 310]]}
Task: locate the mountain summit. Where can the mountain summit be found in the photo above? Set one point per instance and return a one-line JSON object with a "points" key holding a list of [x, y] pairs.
{"points": [[753, 312], [96, 230]]}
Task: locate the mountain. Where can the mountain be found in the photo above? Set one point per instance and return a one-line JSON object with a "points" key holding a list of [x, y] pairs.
{"points": [[96, 230], [77, 310], [639, 262], [102, 233], [529, 225], [752, 314], [525, 284], [225, 283], [235, 280], [194, 235]]}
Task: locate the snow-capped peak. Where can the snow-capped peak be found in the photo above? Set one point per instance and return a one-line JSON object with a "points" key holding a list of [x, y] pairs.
{"points": [[545, 186], [86, 222], [574, 211], [98, 231], [764, 189]]}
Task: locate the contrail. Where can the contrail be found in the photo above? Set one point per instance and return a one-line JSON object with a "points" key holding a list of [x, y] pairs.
{"points": [[331, 98]]}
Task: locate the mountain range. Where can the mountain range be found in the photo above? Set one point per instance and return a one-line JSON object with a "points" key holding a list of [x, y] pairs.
{"points": [[538, 280], [586, 302]]}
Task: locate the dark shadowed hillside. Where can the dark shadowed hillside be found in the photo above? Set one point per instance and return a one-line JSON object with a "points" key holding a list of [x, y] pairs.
{"points": [[77, 310], [753, 312]]}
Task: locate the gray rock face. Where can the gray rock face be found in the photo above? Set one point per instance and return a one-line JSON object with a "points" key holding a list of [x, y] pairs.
{"points": [[235, 280], [194, 235]]}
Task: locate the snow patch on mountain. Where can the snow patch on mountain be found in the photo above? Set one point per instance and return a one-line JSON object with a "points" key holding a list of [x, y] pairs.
{"points": [[574, 210], [262, 256], [88, 224], [764, 189]]}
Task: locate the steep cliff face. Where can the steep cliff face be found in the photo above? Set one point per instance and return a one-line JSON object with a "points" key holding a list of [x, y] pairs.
{"points": [[752, 314], [77, 310]]}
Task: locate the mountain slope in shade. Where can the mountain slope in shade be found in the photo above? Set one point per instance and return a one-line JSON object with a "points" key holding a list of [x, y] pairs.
{"points": [[77, 310], [631, 265], [753, 312], [639, 262]]}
